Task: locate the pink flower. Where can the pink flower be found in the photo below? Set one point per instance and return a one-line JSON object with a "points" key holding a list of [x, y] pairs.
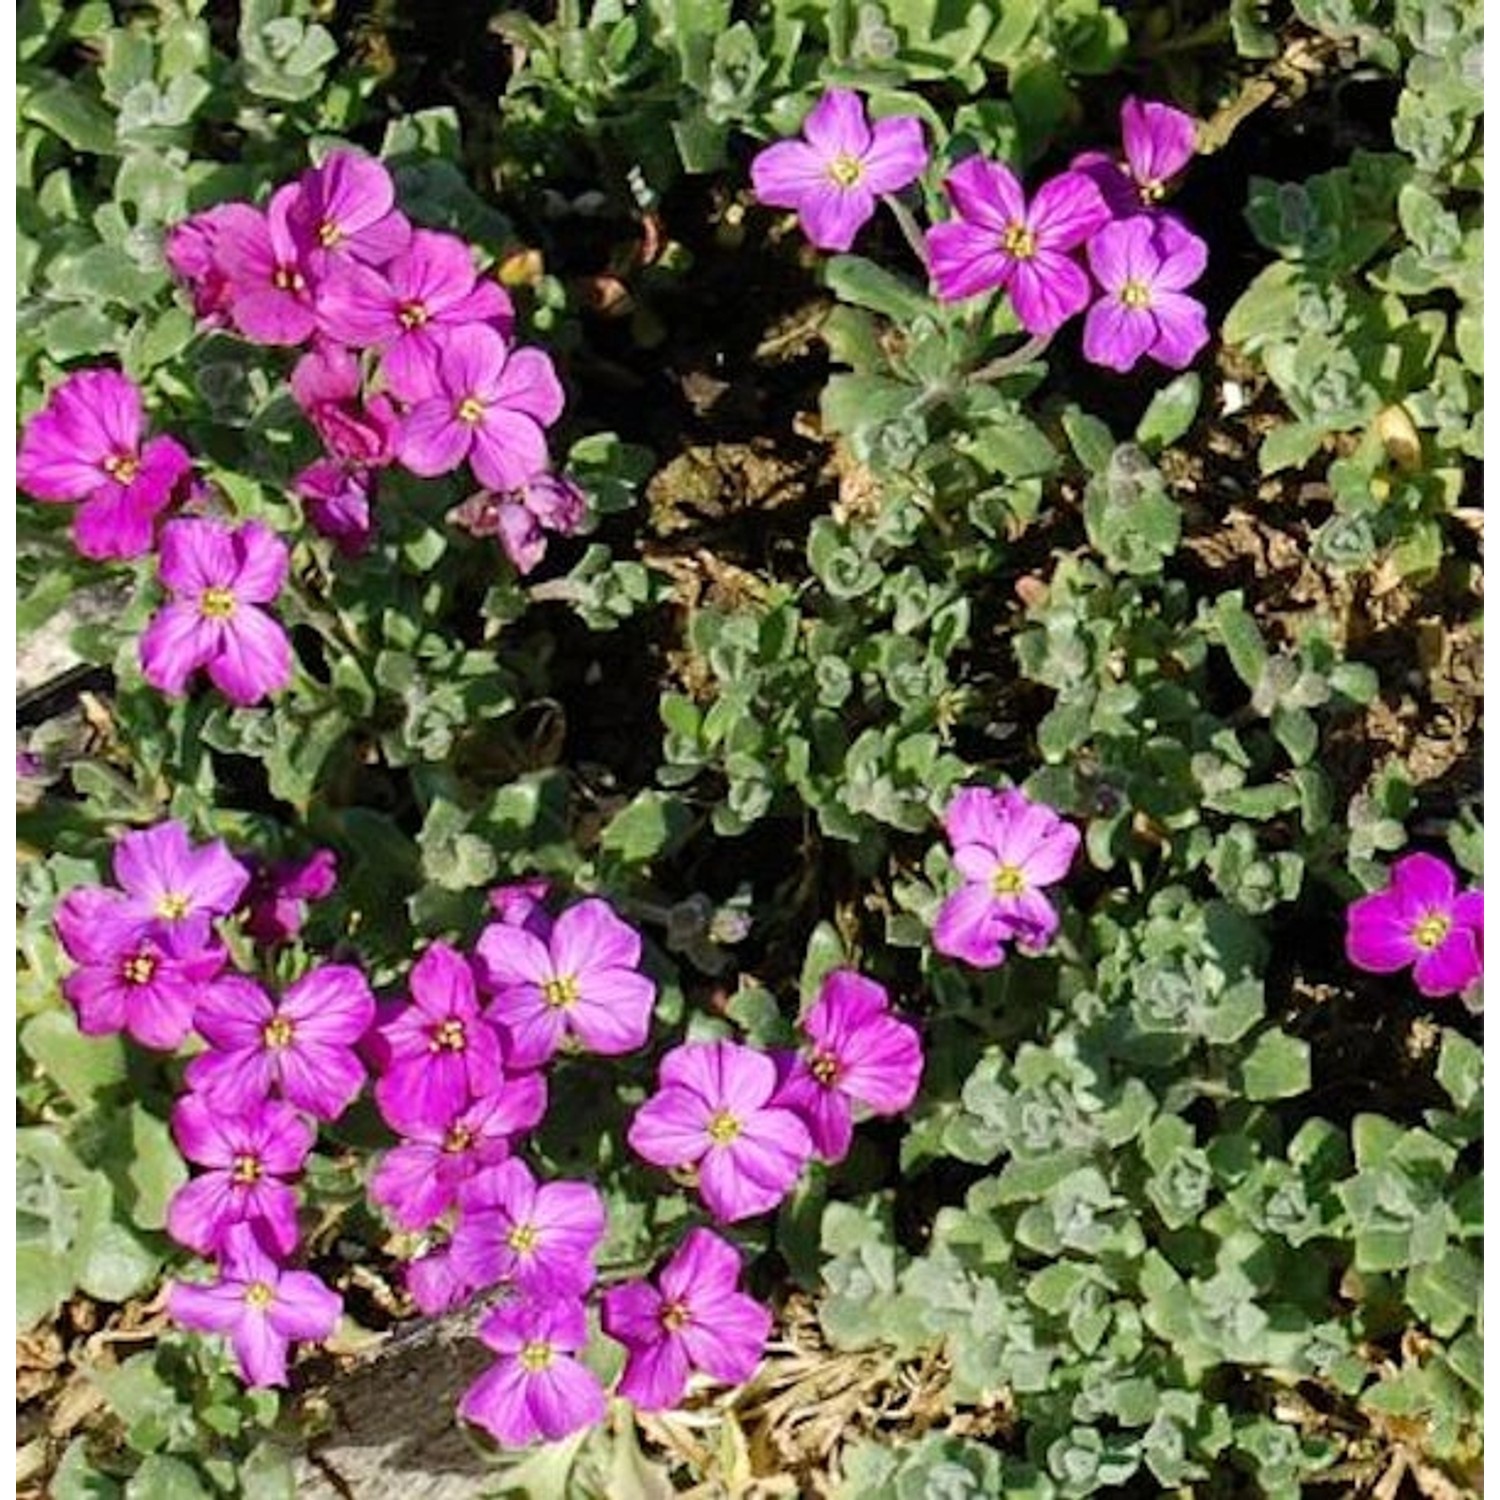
{"points": [[578, 981], [191, 250], [485, 403], [249, 1154], [1142, 265], [170, 882], [860, 1055], [1159, 142], [343, 211], [714, 1111], [541, 1238], [536, 1389], [258, 1305], [335, 498], [998, 240], [694, 1318], [833, 178], [272, 282], [1420, 919], [523, 903], [434, 1284], [275, 901], [327, 386], [438, 1053], [146, 980], [418, 1181], [403, 311], [217, 576], [1007, 848], [86, 444], [304, 1046], [521, 518]]}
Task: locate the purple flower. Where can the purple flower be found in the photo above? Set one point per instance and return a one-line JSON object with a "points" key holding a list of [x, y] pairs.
{"points": [[191, 249], [833, 178], [217, 576], [580, 980], [485, 403], [258, 1305], [170, 882], [1159, 142], [343, 212], [536, 1389], [860, 1054], [694, 1318], [305, 1045], [146, 980], [1007, 848], [272, 283], [434, 1284], [275, 901], [523, 903], [335, 498], [327, 386], [541, 1238], [714, 1111], [249, 1154], [1143, 264], [1420, 919], [404, 310], [86, 444], [997, 240], [438, 1053], [418, 1181], [521, 518]]}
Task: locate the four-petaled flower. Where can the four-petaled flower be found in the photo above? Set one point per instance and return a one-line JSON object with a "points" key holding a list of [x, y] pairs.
{"points": [[343, 211], [694, 1318], [833, 178], [1143, 265], [1420, 919]]}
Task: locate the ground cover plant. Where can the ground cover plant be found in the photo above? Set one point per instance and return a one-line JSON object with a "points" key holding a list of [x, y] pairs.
{"points": [[749, 749]]}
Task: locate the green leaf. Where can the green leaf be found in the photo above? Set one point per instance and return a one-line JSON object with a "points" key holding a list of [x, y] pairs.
{"points": [[1278, 1066], [650, 825], [81, 121], [1170, 413], [1092, 441], [854, 279], [164, 1478], [82, 1066], [1460, 1070], [1241, 637]]}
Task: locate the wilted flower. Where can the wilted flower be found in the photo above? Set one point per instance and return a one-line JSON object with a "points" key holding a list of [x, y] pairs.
{"points": [[1143, 265], [1420, 919], [335, 498], [833, 178], [694, 1318], [275, 901], [522, 518], [327, 386]]}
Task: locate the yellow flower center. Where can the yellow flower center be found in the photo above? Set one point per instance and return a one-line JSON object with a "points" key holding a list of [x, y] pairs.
{"points": [[277, 1033], [458, 1139], [1018, 241], [122, 466], [412, 315], [1431, 930], [723, 1128], [675, 1315], [216, 604], [139, 968], [288, 279], [825, 1068], [246, 1170], [536, 1356], [560, 992], [258, 1294], [1135, 294], [1152, 191], [173, 905], [449, 1037], [1008, 880], [522, 1238], [471, 410], [845, 170], [329, 234]]}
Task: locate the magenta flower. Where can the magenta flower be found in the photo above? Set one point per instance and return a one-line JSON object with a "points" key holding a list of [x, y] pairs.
{"points": [[191, 249], [304, 1046], [438, 1053], [1007, 848], [523, 903], [694, 1318], [714, 1111], [335, 498], [1159, 142], [522, 518], [998, 240], [258, 1305], [249, 1154], [404, 311], [171, 882], [833, 178], [144, 980], [860, 1055], [540, 1238], [1143, 264], [275, 901], [485, 403], [580, 981], [536, 1389], [272, 282], [344, 212], [434, 1284], [88, 444], [1420, 919], [218, 576], [418, 1181], [327, 386]]}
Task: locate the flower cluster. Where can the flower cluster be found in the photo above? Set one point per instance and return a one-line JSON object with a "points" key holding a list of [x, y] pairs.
{"points": [[150, 961], [1421, 920], [1092, 237]]}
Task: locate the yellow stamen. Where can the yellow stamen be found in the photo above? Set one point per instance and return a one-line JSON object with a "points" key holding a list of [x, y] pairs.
{"points": [[1152, 191], [536, 1357], [122, 467], [173, 906], [458, 1139], [246, 1170], [449, 1037], [277, 1033], [139, 968], [723, 1128], [560, 992], [846, 170], [522, 1238], [216, 604], [471, 410], [1018, 241], [412, 315], [1008, 880], [825, 1068], [1431, 930], [288, 279], [1135, 294], [675, 1315], [329, 234], [258, 1294]]}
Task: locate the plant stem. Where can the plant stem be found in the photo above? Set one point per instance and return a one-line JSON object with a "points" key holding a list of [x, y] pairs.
{"points": [[909, 229], [1008, 364]]}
